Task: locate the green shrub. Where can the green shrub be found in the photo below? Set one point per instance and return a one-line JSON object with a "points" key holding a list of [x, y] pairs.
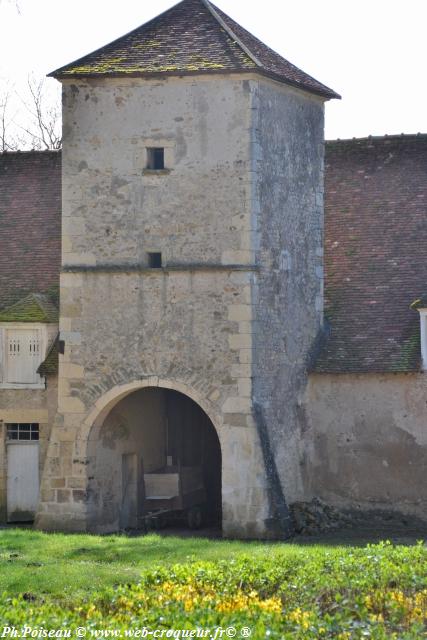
{"points": [[377, 592]]}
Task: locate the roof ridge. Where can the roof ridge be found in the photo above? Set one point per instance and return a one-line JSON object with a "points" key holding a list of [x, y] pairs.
{"points": [[20, 301], [386, 136], [265, 64], [18, 152], [46, 308], [231, 33], [45, 302], [124, 35], [192, 37]]}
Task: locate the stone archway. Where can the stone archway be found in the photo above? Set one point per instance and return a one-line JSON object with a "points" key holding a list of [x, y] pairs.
{"points": [[70, 498], [145, 433], [108, 400]]}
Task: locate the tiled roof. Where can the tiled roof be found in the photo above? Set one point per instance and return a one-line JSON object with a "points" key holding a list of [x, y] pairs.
{"points": [[30, 224], [375, 262], [191, 37], [32, 308], [271, 63]]}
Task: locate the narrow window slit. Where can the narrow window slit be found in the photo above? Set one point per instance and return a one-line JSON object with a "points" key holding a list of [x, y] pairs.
{"points": [[155, 260], [156, 158]]}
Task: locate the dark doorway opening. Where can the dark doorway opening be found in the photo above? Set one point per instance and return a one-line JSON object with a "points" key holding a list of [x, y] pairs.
{"points": [[192, 441], [156, 464]]}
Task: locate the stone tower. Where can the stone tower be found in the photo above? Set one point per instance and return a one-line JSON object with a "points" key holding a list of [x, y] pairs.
{"points": [[191, 285]]}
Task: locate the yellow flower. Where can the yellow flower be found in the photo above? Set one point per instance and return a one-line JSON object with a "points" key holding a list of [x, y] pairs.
{"points": [[242, 602], [397, 596], [301, 618], [194, 595], [272, 605], [377, 617]]}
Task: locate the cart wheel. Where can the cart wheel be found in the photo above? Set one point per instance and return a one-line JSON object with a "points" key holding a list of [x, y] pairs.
{"points": [[195, 517]]}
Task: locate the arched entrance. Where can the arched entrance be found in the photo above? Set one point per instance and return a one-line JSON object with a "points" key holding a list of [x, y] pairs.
{"points": [[156, 451]]}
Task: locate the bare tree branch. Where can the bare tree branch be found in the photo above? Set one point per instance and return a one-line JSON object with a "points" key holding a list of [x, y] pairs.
{"points": [[7, 141], [36, 120], [44, 130]]}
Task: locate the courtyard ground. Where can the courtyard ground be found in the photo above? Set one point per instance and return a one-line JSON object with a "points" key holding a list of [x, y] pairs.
{"points": [[307, 589]]}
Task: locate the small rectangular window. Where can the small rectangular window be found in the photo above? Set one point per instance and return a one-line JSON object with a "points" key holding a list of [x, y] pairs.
{"points": [[155, 260], [23, 431], [155, 158]]}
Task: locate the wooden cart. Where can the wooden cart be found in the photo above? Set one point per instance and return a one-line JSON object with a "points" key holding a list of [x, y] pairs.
{"points": [[174, 493]]}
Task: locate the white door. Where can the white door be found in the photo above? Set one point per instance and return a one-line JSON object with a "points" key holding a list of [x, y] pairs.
{"points": [[22, 481]]}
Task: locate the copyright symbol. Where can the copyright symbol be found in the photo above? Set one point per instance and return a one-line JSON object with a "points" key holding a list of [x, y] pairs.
{"points": [[246, 632], [80, 632], [231, 632]]}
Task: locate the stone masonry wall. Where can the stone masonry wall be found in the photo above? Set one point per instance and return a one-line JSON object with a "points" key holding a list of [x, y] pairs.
{"points": [[184, 326], [366, 442], [288, 290], [25, 405], [196, 211]]}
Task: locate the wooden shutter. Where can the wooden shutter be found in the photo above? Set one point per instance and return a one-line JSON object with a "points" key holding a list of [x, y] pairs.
{"points": [[23, 354]]}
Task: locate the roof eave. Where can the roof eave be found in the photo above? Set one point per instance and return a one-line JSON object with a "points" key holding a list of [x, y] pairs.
{"points": [[150, 74], [328, 94], [337, 370]]}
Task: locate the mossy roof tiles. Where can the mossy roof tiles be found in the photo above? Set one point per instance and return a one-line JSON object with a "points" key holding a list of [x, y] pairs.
{"points": [[32, 308], [375, 264], [191, 37]]}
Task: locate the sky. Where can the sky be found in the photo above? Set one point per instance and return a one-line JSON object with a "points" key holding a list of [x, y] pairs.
{"points": [[372, 52]]}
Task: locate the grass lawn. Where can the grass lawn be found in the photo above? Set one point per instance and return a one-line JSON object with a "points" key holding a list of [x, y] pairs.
{"points": [[276, 590], [66, 566]]}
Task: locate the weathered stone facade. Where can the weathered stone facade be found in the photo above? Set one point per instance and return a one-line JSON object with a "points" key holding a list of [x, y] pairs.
{"points": [[366, 442], [25, 406], [209, 323], [288, 293]]}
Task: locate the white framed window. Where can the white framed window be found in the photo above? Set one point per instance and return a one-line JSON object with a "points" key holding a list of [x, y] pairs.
{"points": [[22, 350], [23, 431], [423, 333]]}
